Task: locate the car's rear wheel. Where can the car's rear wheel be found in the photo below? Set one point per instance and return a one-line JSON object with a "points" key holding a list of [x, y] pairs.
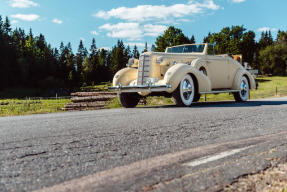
{"points": [[129, 100], [243, 95], [185, 92]]}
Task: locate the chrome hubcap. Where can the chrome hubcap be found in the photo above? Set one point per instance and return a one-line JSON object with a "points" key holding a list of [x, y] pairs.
{"points": [[187, 89], [244, 88]]}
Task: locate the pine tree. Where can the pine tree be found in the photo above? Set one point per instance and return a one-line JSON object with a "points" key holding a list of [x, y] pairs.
{"points": [[145, 48], [94, 59], [104, 72], [62, 47], [118, 58], [264, 40], [270, 38], [1, 26], [82, 53], [248, 47], [192, 40], [41, 43], [7, 27], [136, 53], [127, 53], [87, 70]]}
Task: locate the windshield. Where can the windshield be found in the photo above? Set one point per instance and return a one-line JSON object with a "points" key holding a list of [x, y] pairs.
{"points": [[186, 49]]}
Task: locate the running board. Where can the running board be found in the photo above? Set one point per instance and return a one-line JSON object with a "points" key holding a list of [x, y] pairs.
{"points": [[220, 91]]}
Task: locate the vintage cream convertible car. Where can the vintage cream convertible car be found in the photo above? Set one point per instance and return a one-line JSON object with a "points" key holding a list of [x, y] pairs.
{"points": [[184, 72]]}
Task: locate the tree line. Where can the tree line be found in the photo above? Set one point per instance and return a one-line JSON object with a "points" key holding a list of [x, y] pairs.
{"points": [[29, 61]]}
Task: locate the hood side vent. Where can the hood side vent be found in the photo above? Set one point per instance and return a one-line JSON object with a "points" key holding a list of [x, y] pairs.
{"points": [[143, 70]]}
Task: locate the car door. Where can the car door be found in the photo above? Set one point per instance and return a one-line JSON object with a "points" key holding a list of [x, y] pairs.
{"points": [[219, 72]]}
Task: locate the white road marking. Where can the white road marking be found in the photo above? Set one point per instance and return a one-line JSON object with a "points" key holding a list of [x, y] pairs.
{"points": [[207, 159]]}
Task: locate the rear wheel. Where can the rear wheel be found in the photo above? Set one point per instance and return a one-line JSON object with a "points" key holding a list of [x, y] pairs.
{"points": [[243, 95], [185, 92], [129, 100]]}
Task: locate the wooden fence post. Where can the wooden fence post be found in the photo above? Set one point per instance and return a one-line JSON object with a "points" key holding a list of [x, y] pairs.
{"points": [[276, 91]]}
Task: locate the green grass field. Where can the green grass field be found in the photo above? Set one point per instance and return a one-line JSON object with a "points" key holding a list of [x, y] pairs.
{"points": [[10, 107]]}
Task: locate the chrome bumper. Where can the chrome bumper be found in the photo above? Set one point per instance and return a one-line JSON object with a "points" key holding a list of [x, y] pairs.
{"points": [[140, 88]]}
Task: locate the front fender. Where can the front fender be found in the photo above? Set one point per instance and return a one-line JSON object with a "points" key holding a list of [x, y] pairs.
{"points": [[237, 79], [125, 76], [175, 74]]}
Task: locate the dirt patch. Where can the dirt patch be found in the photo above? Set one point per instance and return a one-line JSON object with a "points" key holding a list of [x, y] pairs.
{"points": [[82, 101], [270, 180], [89, 100]]}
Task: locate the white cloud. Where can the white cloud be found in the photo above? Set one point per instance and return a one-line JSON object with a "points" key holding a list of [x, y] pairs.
{"points": [[26, 17], [132, 44], [14, 21], [23, 3], [57, 21], [82, 39], [184, 20], [94, 32], [238, 1], [132, 31], [143, 13], [263, 29], [153, 30]]}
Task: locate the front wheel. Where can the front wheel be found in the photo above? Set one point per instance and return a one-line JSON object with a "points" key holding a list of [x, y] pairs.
{"points": [[196, 97], [185, 92], [129, 100], [243, 95]]}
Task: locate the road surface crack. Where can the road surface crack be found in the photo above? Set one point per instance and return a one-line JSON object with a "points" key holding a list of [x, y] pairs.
{"points": [[32, 154]]}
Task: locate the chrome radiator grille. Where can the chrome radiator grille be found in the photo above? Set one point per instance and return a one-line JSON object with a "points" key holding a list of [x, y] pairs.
{"points": [[143, 69]]}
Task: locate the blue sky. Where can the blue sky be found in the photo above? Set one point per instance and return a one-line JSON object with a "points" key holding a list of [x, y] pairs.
{"points": [[137, 22]]}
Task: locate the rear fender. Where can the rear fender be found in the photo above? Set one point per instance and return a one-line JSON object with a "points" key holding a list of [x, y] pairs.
{"points": [[237, 79]]}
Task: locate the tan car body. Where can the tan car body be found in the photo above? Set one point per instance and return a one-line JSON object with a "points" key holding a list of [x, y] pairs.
{"points": [[168, 69]]}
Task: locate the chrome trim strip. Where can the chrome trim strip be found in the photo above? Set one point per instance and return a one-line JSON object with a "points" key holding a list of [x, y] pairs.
{"points": [[221, 91], [141, 88]]}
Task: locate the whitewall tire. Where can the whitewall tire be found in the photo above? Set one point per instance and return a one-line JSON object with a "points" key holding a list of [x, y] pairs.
{"points": [[243, 95], [185, 92]]}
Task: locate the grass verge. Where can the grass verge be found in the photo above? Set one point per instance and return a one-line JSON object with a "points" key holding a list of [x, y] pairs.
{"points": [[10, 107]]}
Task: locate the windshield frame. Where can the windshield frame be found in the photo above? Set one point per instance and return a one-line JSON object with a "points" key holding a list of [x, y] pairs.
{"points": [[183, 49]]}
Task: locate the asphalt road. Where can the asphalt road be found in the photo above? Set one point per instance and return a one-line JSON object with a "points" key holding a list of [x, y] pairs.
{"points": [[38, 151]]}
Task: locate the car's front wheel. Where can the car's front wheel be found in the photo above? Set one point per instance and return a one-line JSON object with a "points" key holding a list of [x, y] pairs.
{"points": [[196, 97], [185, 92], [129, 100], [243, 95]]}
